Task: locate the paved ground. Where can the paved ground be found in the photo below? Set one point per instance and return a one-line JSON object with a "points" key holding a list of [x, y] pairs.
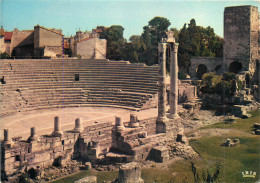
{"points": [[43, 120]]}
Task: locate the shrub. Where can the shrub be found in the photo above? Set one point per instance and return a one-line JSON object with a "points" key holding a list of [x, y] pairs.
{"points": [[225, 85]]}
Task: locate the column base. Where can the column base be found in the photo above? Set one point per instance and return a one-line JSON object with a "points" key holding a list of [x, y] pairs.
{"points": [[33, 138], [162, 119], [57, 134], [120, 128], [173, 116], [78, 129]]}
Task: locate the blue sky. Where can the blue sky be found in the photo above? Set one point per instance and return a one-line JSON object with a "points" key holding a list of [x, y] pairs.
{"points": [[133, 15]]}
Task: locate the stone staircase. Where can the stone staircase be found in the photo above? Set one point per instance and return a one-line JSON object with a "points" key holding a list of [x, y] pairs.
{"points": [[32, 84]]}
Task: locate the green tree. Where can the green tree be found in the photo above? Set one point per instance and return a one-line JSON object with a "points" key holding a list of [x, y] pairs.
{"points": [[196, 40], [134, 50], [152, 34], [115, 42]]}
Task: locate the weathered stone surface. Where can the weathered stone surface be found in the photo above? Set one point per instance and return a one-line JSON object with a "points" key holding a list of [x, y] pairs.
{"points": [[88, 165], [257, 126], [257, 132], [130, 173], [133, 121], [78, 125], [89, 179], [241, 27], [57, 127], [174, 82], [230, 143], [159, 154], [161, 83]]}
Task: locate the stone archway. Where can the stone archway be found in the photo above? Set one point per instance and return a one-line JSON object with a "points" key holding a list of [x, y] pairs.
{"points": [[235, 67], [201, 69], [218, 69]]}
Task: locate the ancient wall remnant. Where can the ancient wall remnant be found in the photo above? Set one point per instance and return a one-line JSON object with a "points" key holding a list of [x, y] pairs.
{"points": [[241, 29], [47, 42], [91, 48], [130, 173], [201, 65]]}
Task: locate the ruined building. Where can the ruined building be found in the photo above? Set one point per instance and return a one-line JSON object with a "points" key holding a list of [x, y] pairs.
{"points": [[87, 45], [241, 33], [241, 29], [51, 43]]}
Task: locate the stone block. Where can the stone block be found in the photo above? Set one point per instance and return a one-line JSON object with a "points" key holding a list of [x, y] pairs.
{"points": [[88, 179], [257, 132], [88, 165], [130, 173], [159, 154], [257, 126], [142, 134], [58, 149]]}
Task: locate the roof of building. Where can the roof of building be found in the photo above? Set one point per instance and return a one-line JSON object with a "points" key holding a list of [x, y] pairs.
{"points": [[8, 36], [50, 30], [85, 39]]}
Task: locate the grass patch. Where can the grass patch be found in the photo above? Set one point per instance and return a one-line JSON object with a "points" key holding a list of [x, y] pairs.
{"points": [[106, 176], [72, 178], [245, 125], [234, 160]]}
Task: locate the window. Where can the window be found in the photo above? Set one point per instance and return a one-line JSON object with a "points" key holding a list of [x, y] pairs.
{"points": [[76, 77]]}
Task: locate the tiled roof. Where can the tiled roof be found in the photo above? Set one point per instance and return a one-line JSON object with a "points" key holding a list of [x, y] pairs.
{"points": [[8, 36]]}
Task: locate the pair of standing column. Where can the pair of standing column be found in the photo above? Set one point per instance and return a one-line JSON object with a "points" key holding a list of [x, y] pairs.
{"points": [[162, 85]]}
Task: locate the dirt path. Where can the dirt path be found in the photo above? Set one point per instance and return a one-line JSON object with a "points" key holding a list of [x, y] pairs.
{"points": [[216, 132]]}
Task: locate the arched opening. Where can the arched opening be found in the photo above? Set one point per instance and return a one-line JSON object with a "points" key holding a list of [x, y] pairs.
{"points": [[218, 69], [235, 67], [247, 81], [201, 69]]}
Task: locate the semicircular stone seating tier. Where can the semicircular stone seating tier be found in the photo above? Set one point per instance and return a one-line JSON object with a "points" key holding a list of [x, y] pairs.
{"points": [[32, 84]]}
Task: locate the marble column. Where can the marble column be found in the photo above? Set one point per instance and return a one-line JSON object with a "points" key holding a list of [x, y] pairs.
{"points": [[7, 137], [161, 83], [119, 124], [174, 81], [78, 126], [57, 127], [34, 135], [133, 121]]}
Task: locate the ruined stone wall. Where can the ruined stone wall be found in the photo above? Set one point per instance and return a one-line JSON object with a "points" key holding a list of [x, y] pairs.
{"points": [[22, 38], [93, 144], [2, 44], [92, 48], [41, 153], [49, 38], [241, 27], [94, 141], [186, 92], [213, 65]]}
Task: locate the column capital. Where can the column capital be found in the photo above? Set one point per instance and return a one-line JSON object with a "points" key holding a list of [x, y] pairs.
{"points": [[162, 47], [175, 47]]}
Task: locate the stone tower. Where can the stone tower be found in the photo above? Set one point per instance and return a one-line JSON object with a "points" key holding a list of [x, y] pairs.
{"points": [[241, 27]]}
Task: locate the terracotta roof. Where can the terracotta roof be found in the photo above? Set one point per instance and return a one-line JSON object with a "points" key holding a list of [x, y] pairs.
{"points": [[8, 36], [50, 30]]}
